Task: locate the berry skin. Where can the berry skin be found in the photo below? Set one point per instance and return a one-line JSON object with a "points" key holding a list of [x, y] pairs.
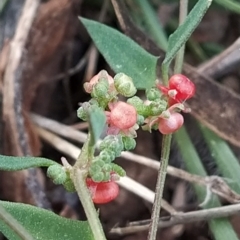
{"points": [[184, 87], [122, 115], [102, 192], [171, 124], [180, 89]]}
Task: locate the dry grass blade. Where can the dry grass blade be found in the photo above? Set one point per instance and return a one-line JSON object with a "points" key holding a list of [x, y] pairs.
{"points": [[214, 183]]}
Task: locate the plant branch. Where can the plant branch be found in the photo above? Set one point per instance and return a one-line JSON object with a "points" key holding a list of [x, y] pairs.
{"points": [[183, 11], [78, 177], [166, 143]]}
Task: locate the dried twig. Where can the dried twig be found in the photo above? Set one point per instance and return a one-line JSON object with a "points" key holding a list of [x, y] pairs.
{"points": [[181, 218], [214, 183], [126, 182]]}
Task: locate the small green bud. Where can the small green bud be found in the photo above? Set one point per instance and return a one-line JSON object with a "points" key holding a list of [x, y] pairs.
{"points": [[100, 90], [107, 176], [157, 107], [86, 108], [153, 94], [97, 177], [97, 161], [107, 155], [94, 169], [140, 120], [124, 85], [82, 112], [119, 170], [129, 143], [107, 168], [113, 143], [96, 166], [57, 174], [138, 104]]}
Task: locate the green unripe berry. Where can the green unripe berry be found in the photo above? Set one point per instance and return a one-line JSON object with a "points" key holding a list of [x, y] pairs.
{"points": [[153, 94], [124, 85], [140, 120], [107, 176], [100, 90], [138, 104], [118, 170], [86, 107], [107, 155], [96, 166], [107, 168], [113, 143], [129, 143], [57, 174], [93, 169], [157, 107], [82, 112], [97, 177]]}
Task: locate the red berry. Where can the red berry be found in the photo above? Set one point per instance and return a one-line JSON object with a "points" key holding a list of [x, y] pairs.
{"points": [[171, 124], [185, 87], [122, 115], [102, 192]]}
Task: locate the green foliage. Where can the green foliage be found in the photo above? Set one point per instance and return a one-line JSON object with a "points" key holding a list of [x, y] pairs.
{"points": [[183, 32], [57, 174], [221, 227], [224, 158], [97, 121], [123, 54], [9, 163], [43, 224]]}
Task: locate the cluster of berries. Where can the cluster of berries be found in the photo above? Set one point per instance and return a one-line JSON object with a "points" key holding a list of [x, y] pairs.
{"points": [[160, 111]]}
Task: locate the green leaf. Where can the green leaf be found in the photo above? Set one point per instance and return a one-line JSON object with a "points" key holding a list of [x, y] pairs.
{"points": [[43, 224], [145, 14], [97, 121], [226, 161], [123, 54], [10, 163], [231, 5], [183, 32], [221, 227]]}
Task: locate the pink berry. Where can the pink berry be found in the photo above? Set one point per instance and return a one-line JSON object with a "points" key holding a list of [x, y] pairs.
{"points": [[185, 87], [102, 192], [171, 124], [122, 115]]}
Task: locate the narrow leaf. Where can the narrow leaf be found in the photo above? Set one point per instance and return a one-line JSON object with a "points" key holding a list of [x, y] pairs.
{"points": [[97, 121], [184, 31], [221, 227], [43, 224], [123, 54], [226, 161], [10, 163]]}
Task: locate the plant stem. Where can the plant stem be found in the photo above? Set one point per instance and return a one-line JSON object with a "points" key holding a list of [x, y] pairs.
{"points": [[87, 153], [9, 220], [183, 11], [165, 67], [166, 144], [83, 193]]}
